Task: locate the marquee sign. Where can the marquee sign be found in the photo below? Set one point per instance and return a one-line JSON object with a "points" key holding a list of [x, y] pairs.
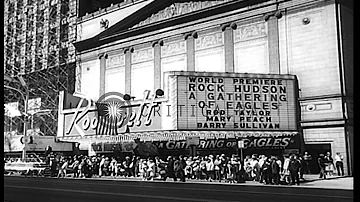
{"points": [[251, 102], [87, 118]]}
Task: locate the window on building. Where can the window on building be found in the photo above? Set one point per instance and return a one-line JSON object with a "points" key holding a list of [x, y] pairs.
{"points": [[115, 80], [251, 58], [177, 63], [142, 78], [173, 58], [209, 52], [90, 80], [210, 60]]}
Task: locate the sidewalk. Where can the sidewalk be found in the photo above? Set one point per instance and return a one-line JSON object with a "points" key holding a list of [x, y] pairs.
{"points": [[311, 181]]}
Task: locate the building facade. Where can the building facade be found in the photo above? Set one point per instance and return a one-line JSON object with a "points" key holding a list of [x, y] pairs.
{"points": [[301, 49]]}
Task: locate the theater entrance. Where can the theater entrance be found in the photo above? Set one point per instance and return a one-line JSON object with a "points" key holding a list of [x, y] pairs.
{"points": [[314, 150]]}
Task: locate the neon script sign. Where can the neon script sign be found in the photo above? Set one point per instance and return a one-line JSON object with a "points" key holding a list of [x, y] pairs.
{"points": [[112, 114]]}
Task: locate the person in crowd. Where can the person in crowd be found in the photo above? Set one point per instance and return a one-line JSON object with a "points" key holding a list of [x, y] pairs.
{"points": [[237, 167], [150, 172], [339, 163], [329, 164], [75, 167], [217, 168], [121, 168], [230, 174], [223, 166], [322, 164], [196, 168], [137, 166], [128, 164], [53, 166], [294, 168], [275, 170], [261, 163], [63, 166], [203, 167], [267, 171], [285, 171], [302, 166], [254, 164], [177, 168], [182, 168], [247, 167], [157, 167], [210, 170], [144, 168], [113, 167], [101, 165], [170, 168], [307, 159], [188, 168], [132, 166]]}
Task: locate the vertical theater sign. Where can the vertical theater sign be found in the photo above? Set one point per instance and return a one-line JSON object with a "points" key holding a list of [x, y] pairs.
{"points": [[220, 108]]}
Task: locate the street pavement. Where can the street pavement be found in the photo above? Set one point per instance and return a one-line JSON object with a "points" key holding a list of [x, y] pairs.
{"points": [[18, 189]]}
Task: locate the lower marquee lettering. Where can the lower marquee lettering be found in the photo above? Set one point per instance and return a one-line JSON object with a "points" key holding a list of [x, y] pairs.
{"points": [[272, 142], [257, 125], [211, 125]]}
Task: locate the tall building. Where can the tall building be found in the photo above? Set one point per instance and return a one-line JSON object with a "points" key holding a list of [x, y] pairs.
{"points": [[38, 37], [275, 75]]}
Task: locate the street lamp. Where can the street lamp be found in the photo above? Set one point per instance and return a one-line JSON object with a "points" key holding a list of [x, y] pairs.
{"points": [[26, 99]]}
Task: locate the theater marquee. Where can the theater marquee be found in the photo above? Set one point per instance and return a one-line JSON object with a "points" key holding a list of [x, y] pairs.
{"points": [[251, 102]]}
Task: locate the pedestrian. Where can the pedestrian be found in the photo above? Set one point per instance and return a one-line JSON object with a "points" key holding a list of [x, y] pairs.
{"points": [[267, 171], [137, 166], [101, 165], [223, 166], [203, 167], [75, 167], [182, 168], [113, 167], [150, 169], [339, 163], [255, 168], [285, 171], [275, 169], [307, 159], [294, 168], [144, 168], [188, 167], [329, 164], [261, 163], [170, 168], [128, 165], [302, 167], [210, 170], [196, 168], [62, 171], [247, 167], [321, 163], [230, 173], [217, 168], [177, 168]]}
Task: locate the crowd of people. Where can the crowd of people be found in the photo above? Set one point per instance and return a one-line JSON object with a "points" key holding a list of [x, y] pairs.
{"points": [[287, 169]]}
